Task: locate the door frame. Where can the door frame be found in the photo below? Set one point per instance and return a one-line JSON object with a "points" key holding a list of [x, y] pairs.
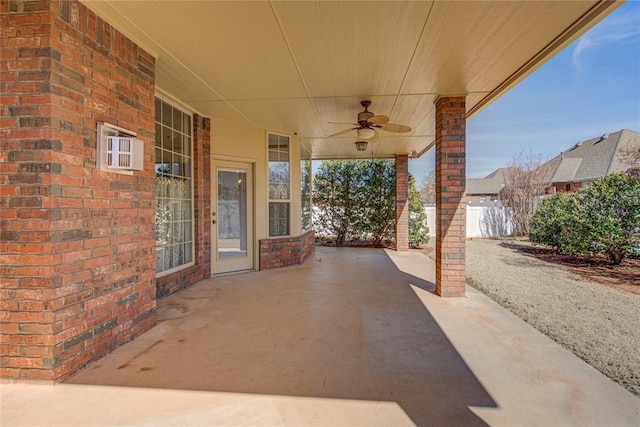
{"points": [[227, 266]]}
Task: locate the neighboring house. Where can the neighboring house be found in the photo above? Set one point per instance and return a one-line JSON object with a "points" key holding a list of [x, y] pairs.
{"points": [[570, 170], [487, 189], [591, 159], [148, 145]]}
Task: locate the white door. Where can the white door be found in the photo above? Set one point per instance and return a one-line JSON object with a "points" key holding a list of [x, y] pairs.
{"points": [[232, 217]]}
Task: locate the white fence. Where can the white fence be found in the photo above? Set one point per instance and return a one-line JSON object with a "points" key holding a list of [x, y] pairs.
{"points": [[482, 221]]}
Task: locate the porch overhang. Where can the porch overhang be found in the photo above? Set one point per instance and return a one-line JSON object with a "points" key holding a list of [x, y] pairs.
{"points": [[294, 66]]}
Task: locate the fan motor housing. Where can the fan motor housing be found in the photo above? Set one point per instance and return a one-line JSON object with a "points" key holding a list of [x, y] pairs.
{"points": [[364, 116]]}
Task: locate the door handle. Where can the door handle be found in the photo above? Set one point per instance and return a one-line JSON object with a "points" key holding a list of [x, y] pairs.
{"points": [[214, 222]]}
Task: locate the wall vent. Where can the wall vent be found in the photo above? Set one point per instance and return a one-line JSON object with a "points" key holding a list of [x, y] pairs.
{"points": [[118, 150], [124, 153]]}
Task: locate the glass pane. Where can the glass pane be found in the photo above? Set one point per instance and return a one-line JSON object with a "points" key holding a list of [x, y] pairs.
{"points": [[177, 142], [187, 146], [282, 227], [160, 260], [185, 167], [187, 251], [158, 135], [186, 124], [158, 107], [166, 114], [186, 210], [188, 235], [232, 214], [177, 119], [167, 258], [158, 160], [166, 138], [175, 164], [278, 180], [278, 219], [273, 141], [273, 227]]}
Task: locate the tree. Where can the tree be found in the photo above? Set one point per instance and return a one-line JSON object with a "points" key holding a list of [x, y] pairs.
{"points": [[356, 199], [335, 187], [428, 188], [525, 180], [378, 199], [418, 230]]}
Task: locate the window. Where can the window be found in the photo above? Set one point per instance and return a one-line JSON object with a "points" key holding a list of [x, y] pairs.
{"points": [[279, 185], [305, 187], [174, 196]]}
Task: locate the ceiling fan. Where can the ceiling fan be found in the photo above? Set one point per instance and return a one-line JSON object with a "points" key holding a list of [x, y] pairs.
{"points": [[368, 122]]}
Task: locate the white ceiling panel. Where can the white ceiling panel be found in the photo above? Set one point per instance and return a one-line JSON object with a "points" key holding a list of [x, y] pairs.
{"points": [[288, 115], [220, 110], [464, 40], [294, 66], [344, 48]]}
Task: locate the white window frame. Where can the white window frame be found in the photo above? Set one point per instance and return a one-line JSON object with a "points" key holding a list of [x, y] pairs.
{"points": [[288, 200], [188, 112]]}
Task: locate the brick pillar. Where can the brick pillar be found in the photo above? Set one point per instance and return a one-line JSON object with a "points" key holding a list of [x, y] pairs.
{"points": [[450, 184], [77, 243], [402, 203]]}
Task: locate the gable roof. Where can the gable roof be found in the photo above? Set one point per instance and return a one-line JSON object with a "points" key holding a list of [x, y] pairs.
{"points": [[490, 184], [594, 158], [586, 161]]}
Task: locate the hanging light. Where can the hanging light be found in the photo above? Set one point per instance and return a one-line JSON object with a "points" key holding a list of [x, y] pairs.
{"points": [[361, 145], [366, 133]]}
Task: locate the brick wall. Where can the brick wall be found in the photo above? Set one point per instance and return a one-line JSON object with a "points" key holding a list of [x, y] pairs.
{"points": [[567, 187], [450, 185], [201, 269], [402, 205], [284, 251], [78, 244]]}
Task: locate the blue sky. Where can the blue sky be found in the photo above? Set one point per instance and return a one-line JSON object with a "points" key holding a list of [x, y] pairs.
{"points": [[590, 88]]}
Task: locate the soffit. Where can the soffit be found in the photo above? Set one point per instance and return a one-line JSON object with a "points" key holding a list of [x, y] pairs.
{"points": [[295, 66]]}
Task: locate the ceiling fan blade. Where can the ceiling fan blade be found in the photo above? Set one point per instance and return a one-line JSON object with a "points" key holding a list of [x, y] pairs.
{"points": [[342, 132], [393, 127], [378, 120], [343, 123]]}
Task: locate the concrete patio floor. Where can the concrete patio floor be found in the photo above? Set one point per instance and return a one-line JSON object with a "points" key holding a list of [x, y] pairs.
{"points": [[351, 337]]}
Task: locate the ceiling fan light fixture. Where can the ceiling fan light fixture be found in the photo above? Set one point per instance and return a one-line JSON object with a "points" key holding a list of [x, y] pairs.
{"points": [[361, 145], [366, 133]]}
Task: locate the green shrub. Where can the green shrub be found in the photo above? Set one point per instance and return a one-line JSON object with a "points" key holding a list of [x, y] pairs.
{"points": [[418, 229], [549, 223], [609, 217], [603, 218]]}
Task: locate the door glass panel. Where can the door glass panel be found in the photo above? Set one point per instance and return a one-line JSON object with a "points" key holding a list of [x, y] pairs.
{"points": [[232, 214]]}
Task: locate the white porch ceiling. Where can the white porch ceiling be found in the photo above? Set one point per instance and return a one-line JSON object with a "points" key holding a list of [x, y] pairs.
{"points": [[294, 66]]}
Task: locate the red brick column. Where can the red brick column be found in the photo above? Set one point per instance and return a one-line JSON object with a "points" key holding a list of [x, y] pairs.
{"points": [[402, 203], [450, 184], [78, 244]]}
